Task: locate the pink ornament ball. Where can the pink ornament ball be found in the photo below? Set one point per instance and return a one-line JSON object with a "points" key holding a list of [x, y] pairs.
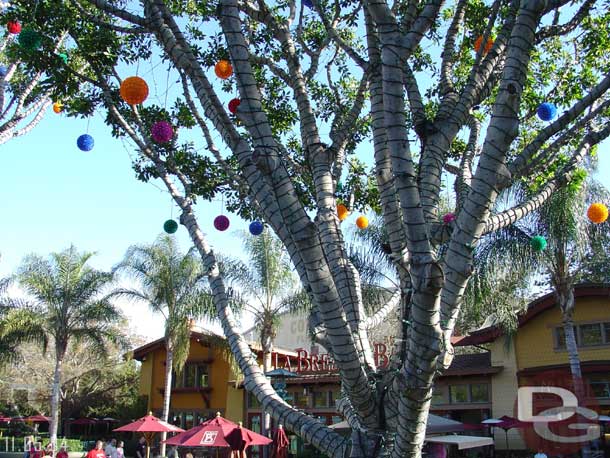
{"points": [[448, 218], [221, 223], [162, 131]]}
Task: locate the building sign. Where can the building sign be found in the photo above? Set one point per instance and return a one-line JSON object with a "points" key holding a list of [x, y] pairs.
{"points": [[309, 362]]}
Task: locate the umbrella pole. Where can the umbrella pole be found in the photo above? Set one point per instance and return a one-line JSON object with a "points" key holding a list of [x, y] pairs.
{"points": [[506, 435]]}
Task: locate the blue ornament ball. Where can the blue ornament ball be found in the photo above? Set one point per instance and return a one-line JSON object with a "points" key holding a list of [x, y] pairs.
{"points": [[3, 71], [308, 3], [256, 228], [85, 142], [547, 111]]}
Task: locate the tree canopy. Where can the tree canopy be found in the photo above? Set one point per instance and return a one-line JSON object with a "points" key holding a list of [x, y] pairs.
{"points": [[379, 105]]}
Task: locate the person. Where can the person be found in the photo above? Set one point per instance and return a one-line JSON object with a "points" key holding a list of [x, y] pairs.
{"points": [[97, 451], [120, 450], [35, 450], [172, 452], [111, 449], [141, 448], [62, 453]]}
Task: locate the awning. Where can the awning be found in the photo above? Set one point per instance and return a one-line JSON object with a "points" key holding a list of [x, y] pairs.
{"points": [[463, 442]]}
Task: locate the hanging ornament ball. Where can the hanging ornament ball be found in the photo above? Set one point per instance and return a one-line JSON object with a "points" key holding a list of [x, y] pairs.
{"points": [[479, 41], [14, 27], [362, 222], [308, 3], [223, 69], [448, 218], [538, 243], [546, 111], [342, 212], [63, 56], [162, 131], [134, 90], [170, 226], [3, 71], [30, 40], [57, 107], [85, 142], [233, 104], [256, 228], [221, 223], [597, 213]]}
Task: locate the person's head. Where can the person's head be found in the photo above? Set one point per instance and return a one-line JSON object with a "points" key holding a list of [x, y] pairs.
{"points": [[99, 445], [113, 442], [121, 444], [62, 449], [142, 440]]}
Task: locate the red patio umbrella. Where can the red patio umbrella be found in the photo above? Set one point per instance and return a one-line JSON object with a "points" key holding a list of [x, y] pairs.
{"points": [[37, 419], [210, 433], [83, 421], [149, 425], [4, 419], [280, 443], [241, 438]]}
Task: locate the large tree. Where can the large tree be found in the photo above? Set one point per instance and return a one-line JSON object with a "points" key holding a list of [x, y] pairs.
{"points": [[172, 284], [65, 302], [321, 84]]}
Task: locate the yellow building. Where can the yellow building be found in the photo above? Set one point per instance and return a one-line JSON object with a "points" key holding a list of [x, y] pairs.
{"points": [[203, 387], [536, 354]]}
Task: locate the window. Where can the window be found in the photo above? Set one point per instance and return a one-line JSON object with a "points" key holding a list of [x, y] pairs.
{"points": [[591, 334], [253, 402], [479, 392], [458, 393], [320, 399], [194, 375], [437, 395], [607, 332], [299, 399], [600, 389]]}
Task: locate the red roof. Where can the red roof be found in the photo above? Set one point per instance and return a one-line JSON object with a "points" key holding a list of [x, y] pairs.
{"points": [[535, 308]]}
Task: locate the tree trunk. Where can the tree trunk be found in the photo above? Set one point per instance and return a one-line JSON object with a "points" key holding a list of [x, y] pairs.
{"points": [[167, 394], [55, 389]]}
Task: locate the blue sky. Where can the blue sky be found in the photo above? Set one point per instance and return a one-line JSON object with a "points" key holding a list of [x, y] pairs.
{"points": [[53, 195]]}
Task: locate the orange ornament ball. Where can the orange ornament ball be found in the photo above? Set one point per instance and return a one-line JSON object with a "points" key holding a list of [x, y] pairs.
{"points": [[479, 42], [134, 90], [342, 212], [597, 213], [57, 107], [362, 222], [223, 69]]}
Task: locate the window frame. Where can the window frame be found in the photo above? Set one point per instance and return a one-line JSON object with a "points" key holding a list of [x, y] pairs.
{"points": [[451, 398]]}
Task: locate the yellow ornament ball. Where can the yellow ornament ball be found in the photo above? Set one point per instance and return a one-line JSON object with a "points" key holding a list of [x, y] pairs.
{"points": [[223, 69], [342, 212], [597, 213], [134, 90], [57, 107], [362, 222]]}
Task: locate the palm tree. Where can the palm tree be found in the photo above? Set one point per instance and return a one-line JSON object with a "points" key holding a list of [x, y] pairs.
{"points": [[569, 255], [172, 284], [65, 303]]}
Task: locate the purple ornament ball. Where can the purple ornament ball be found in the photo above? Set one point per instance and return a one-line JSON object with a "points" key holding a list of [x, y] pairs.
{"points": [[162, 131], [221, 223]]}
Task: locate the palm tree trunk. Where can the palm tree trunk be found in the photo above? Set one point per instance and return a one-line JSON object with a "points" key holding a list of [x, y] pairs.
{"points": [[167, 395], [59, 359], [266, 420]]}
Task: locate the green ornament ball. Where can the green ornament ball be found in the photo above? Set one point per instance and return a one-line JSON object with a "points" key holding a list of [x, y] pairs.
{"points": [[170, 226], [63, 56], [30, 40], [538, 243]]}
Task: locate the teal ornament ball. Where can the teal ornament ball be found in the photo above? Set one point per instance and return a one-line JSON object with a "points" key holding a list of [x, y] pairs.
{"points": [[170, 226], [30, 40], [63, 56], [538, 243]]}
